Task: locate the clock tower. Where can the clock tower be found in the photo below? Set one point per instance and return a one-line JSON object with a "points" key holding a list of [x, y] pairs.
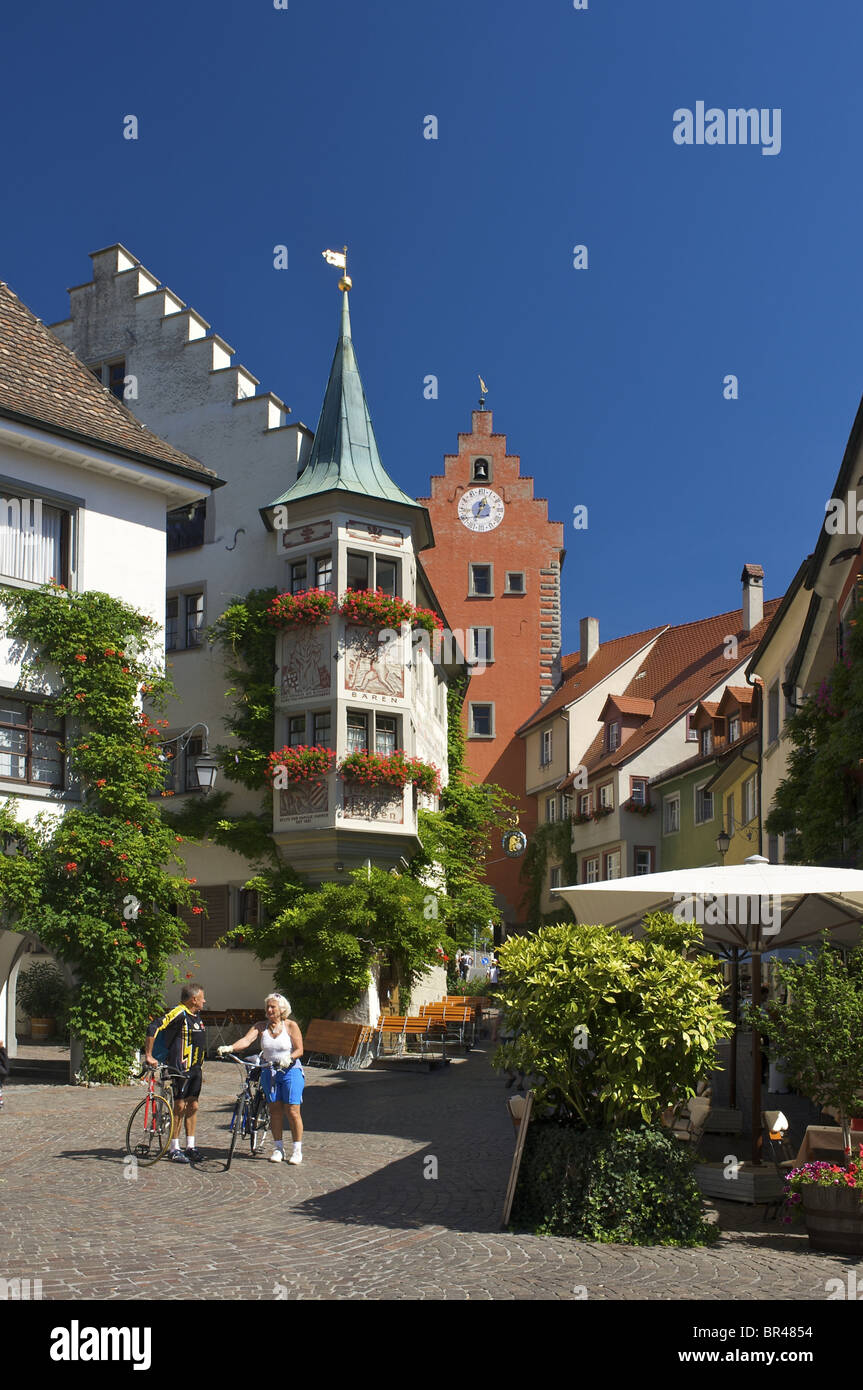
{"points": [[496, 571]]}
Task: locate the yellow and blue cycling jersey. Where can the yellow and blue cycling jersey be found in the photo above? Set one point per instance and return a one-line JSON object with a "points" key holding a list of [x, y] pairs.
{"points": [[184, 1036]]}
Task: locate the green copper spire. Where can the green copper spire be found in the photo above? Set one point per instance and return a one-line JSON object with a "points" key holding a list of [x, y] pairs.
{"points": [[345, 455]]}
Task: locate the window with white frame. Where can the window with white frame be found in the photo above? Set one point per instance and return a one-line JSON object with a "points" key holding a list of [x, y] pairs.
{"points": [[643, 860], [550, 809], [638, 794], [590, 871], [357, 732], [323, 571], [703, 804], [30, 741], [565, 806], [750, 800], [671, 814], [612, 736], [546, 748], [606, 795], [386, 732], [297, 731], [34, 538], [691, 732], [299, 571], [612, 864], [733, 728], [707, 740], [585, 803], [554, 877]]}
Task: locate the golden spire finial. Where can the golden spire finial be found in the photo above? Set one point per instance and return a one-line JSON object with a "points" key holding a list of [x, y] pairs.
{"points": [[340, 259]]}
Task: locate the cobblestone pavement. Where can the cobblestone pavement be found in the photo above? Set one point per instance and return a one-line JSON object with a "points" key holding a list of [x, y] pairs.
{"points": [[357, 1220]]}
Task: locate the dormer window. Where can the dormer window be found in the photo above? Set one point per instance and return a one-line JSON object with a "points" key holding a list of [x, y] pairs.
{"points": [[707, 740], [612, 736], [733, 728]]}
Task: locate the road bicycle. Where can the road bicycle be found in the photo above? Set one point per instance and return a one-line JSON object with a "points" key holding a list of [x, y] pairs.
{"points": [[151, 1123], [251, 1117]]}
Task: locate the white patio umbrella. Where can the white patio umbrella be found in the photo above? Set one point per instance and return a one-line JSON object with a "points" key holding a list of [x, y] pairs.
{"points": [[753, 907]]}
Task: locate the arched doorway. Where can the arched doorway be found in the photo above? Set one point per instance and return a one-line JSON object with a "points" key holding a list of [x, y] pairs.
{"points": [[19, 951]]}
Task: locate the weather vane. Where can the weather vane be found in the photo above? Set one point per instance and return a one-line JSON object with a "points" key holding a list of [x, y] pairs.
{"points": [[484, 392], [340, 259]]}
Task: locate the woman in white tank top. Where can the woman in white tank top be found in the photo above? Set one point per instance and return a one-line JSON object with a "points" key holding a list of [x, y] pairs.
{"points": [[282, 1078]]}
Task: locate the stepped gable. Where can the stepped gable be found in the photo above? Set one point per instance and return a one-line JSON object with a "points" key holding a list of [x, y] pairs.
{"points": [[579, 678], [43, 383], [197, 361], [687, 663]]}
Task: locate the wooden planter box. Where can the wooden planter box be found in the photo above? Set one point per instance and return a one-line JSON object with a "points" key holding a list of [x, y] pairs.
{"points": [[754, 1185], [834, 1219]]}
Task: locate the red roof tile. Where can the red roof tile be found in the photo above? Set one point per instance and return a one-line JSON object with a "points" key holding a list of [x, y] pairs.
{"points": [[629, 704], [686, 664], [43, 383], [579, 678]]}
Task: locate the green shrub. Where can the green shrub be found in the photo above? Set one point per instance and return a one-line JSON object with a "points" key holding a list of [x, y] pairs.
{"points": [[634, 1186]]}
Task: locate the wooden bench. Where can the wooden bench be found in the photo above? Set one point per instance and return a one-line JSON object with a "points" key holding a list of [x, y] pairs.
{"points": [[458, 1021], [325, 1038]]}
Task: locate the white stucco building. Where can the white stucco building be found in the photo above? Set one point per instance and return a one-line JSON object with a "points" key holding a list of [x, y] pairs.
{"points": [[84, 492]]}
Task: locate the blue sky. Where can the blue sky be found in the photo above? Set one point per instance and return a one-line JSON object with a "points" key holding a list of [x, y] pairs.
{"points": [[304, 127]]}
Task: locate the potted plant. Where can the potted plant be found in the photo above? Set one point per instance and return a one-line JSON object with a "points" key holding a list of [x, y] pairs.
{"points": [[830, 1197], [301, 764], [818, 1033], [42, 993]]}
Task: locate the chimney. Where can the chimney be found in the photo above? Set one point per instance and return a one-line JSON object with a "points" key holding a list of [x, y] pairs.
{"points": [[753, 596], [588, 639]]}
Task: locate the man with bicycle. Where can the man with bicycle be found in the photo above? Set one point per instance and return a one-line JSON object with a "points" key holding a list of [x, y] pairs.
{"points": [[183, 1037]]}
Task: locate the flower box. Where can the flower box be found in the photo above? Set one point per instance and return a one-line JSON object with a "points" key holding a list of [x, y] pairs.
{"points": [[374, 608], [638, 808], [302, 764], [390, 769], [309, 608]]}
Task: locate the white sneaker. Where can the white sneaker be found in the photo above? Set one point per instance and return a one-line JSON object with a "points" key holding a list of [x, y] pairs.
{"points": [[295, 1157], [276, 1156]]}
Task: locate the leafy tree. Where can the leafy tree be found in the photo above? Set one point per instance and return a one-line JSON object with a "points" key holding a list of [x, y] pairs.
{"points": [[94, 885], [615, 1028], [818, 1032], [325, 940]]}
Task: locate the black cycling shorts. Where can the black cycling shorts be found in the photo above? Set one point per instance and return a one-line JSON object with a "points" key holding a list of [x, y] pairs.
{"points": [[189, 1088]]}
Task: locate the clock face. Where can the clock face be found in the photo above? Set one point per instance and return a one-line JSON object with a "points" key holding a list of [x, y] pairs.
{"points": [[480, 509]]}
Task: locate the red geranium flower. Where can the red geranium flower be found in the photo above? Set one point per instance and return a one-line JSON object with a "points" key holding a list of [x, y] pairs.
{"points": [[71, 866], [80, 656], [197, 910]]}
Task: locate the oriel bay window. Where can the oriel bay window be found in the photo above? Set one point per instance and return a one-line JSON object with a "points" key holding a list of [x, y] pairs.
{"points": [[384, 730], [314, 729], [365, 571], [30, 739]]}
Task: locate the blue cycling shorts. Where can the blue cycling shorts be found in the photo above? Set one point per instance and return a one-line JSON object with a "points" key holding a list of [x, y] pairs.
{"points": [[286, 1086]]}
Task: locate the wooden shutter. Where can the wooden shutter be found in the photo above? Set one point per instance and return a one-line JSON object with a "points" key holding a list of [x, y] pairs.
{"points": [[206, 928]]}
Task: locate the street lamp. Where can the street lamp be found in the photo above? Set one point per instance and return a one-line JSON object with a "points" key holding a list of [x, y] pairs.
{"points": [[723, 840], [206, 765]]}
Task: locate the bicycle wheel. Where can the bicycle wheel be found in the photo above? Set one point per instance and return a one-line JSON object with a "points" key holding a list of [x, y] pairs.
{"points": [[148, 1132], [260, 1123], [236, 1126]]}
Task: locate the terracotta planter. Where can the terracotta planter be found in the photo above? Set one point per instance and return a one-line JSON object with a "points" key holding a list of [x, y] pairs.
{"points": [[41, 1028], [834, 1219]]}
